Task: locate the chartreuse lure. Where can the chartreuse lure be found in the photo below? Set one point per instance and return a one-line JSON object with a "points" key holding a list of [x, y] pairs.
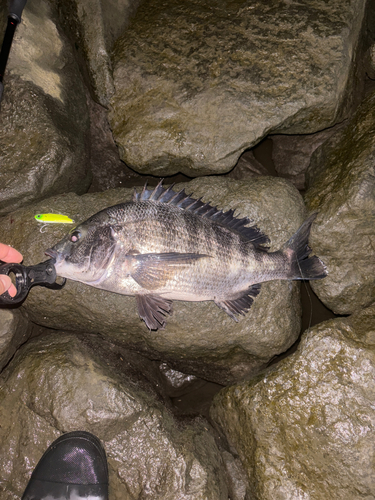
{"points": [[53, 219]]}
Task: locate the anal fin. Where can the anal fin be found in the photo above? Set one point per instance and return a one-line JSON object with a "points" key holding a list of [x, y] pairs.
{"points": [[240, 304], [153, 310]]}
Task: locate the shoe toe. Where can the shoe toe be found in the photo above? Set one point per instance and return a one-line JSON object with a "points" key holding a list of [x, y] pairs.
{"points": [[73, 467]]}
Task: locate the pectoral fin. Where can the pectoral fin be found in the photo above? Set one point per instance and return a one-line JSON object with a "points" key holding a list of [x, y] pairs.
{"points": [[152, 270], [153, 310]]}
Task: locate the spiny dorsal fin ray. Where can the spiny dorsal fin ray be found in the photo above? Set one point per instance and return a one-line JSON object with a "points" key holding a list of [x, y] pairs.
{"points": [[186, 202]]}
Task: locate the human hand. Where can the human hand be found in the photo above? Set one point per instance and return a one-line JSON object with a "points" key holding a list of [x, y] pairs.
{"points": [[8, 254]]}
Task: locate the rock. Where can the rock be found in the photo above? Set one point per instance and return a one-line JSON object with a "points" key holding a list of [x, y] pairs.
{"points": [[370, 62], [342, 191], [62, 382], [291, 154], [15, 329], [248, 166], [199, 338], [94, 25], [178, 383], [108, 171], [370, 67], [305, 429], [198, 83], [44, 122], [238, 480]]}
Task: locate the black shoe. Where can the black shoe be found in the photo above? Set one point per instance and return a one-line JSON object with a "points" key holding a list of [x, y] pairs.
{"points": [[74, 467]]}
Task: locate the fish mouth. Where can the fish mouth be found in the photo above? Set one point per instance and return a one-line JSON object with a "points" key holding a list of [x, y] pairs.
{"points": [[51, 253]]}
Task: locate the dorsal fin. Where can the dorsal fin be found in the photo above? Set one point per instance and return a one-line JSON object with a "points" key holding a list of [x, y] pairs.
{"points": [[186, 202]]}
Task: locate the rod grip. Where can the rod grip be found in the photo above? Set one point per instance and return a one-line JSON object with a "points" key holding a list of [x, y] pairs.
{"points": [[15, 9]]}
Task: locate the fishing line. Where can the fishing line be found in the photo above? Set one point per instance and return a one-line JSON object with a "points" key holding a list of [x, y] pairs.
{"points": [[308, 294]]}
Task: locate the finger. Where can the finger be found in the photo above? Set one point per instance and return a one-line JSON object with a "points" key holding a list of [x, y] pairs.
{"points": [[9, 254], [5, 284]]}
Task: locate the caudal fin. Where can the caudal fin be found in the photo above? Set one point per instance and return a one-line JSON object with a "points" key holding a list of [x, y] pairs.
{"points": [[298, 251]]}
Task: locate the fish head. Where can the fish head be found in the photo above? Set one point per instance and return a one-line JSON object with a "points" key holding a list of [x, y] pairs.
{"points": [[86, 252]]}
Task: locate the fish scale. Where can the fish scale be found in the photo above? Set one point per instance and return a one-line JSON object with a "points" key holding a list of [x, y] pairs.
{"points": [[194, 235], [165, 245]]}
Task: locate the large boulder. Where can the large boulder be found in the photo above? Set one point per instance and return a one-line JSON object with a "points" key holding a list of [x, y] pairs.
{"points": [[341, 177], [15, 329], [44, 120], [59, 382], [306, 429], [94, 25], [199, 338], [197, 83]]}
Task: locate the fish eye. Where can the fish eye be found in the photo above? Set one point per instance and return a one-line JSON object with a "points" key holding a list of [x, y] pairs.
{"points": [[75, 236]]}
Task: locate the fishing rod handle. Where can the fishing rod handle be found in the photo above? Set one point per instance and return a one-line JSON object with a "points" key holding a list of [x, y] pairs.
{"points": [[15, 9]]}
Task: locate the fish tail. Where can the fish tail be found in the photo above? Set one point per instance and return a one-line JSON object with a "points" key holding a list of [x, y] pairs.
{"points": [[297, 251]]}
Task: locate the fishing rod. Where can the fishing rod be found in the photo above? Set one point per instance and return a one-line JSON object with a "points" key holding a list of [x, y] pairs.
{"points": [[14, 18]]}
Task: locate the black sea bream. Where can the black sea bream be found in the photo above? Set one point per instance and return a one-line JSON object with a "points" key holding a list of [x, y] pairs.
{"points": [[165, 246]]}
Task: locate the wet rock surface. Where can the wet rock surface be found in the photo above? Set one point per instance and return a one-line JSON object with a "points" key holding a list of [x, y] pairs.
{"points": [[199, 338], [248, 166], [44, 121], [196, 84], [341, 177], [291, 154], [306, 428], [94, 26], [15, 329], [108, 171], [61, 382]]}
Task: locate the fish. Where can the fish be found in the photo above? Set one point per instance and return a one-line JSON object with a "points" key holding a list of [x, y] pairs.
{"points": [[53, 219], [166, 245]]}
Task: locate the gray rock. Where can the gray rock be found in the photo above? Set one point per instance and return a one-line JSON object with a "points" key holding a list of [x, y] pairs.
{"points": [[291, 154], [15, 329], [198, 83], [108, 171], [94, 25], [248, 166], [44, 122], [306, 428], [370, 67], [199, 339], [177, 382], [238, 487], [59, 383], [341, 177]]}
